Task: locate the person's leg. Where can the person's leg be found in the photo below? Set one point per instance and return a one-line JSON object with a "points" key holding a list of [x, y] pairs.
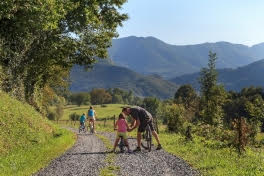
{"points": [[138, 139], [127, 145], [94, 125], [116, 142], [154, 133]]}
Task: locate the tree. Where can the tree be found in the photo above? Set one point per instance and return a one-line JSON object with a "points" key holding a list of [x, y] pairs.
{"points": [[100, 96], [213, 95], [152, 105], [38, 39], [185, 95]]}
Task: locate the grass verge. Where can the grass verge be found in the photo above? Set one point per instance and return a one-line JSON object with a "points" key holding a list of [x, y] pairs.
{"points": [[213, 158], [110, 169], [28, 142]]}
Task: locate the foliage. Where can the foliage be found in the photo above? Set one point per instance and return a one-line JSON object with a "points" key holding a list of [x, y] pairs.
{"points": [[81, 98], [213, 157], [59, 111], [152, 105], [185, 95], [213, 96], [174, 114], [28, 142], [74, 117], [100, 96], [40, 40], [51, 116]]}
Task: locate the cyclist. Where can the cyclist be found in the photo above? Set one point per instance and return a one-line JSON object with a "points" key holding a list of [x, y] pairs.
{"points": [[92, 115], [82, 120], [121, 126], [141, 118]]}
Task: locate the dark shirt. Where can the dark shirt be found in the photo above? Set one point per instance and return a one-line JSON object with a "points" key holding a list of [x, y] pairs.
{"points": [[140, 114]]}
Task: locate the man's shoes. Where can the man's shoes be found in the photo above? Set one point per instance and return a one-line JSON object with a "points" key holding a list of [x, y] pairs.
{"points": [[138, 149], [159, 147]]}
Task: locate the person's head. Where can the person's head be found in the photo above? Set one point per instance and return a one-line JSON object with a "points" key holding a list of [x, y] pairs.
{"points": [[121, 116], [126, 110], [83, 114], [91, 107]]}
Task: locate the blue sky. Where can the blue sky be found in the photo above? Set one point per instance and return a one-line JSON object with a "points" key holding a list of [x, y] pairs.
{"points": [[183, 22]]}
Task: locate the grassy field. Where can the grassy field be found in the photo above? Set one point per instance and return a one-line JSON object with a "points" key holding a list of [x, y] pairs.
{"points": [[101, 112], [208, 156], [28, 142]]}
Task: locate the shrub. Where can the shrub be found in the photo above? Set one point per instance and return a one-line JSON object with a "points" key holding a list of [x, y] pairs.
{"points": [[74, 116], [51, 116], [174, 114]]}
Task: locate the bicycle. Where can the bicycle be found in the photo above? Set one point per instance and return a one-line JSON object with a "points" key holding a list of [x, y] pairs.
{"points": [[91, 128], [82, 128], [147, 136]]}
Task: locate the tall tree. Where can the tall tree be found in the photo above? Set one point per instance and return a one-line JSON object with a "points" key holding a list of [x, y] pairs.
{"points": [[213, 95], [40, 38]]}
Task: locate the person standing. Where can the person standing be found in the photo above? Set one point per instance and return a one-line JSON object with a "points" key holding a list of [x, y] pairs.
{"points": [[141, 118]]}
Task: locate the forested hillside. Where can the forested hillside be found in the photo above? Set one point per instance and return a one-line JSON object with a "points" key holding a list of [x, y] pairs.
{"points": [[151, 55], [110, 76], [232, 79]]}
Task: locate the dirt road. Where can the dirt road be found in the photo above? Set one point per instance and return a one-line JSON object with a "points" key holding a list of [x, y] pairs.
{"points": [[88, 154]]}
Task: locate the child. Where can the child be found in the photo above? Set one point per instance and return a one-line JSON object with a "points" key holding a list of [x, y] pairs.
{"points": [[82, 120], [122, 128]]}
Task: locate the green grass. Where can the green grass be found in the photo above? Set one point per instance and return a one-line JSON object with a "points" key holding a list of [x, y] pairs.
{"points": [[212, 158], [27, 141], [101, 112], [110, 169], [209, 157]]}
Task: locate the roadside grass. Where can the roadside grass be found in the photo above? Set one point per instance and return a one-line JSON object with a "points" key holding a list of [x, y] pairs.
{"points": [[208, 156], [28, 142], [110, 169], [213, 158]]}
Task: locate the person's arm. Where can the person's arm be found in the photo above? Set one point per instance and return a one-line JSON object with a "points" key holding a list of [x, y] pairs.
{"points": [[136, 124], [115, 127], [128, 128]]}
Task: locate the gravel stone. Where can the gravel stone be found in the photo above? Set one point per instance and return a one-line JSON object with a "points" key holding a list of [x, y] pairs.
{"points": [[154, 163], [86, 157]]}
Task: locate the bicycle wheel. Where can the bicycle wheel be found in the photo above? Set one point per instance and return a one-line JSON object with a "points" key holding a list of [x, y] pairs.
{"points": [[146, 144], [149, 139]]}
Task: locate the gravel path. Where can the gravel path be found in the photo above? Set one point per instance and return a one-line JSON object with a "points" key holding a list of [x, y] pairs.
{"points": [[88, 154], [85, 158], [154, 163]]}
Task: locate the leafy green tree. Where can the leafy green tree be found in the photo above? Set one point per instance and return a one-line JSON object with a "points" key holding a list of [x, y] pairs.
{"points": [[100, 96], [185, 95], [38, 39], [152, 104], [213, 95]]}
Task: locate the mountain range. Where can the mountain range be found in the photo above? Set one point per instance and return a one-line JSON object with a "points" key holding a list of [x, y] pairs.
{"points": [[150, 55], [232, 79], [142, 65], [104, 75]]}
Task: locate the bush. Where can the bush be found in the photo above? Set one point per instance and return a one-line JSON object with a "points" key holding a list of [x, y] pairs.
{"points": [[51, 116], [74, 117], [174, 114]]}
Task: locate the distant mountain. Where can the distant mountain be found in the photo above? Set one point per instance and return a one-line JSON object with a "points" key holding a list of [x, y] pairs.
{"points": [[232, 79], [152, 56], [111, 76]]}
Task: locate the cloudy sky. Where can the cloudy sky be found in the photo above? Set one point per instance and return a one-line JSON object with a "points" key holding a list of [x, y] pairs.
{"points": [[183, 22]]}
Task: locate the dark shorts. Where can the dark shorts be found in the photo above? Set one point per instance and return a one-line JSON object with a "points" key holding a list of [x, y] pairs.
{"points": [[144, 124]]}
